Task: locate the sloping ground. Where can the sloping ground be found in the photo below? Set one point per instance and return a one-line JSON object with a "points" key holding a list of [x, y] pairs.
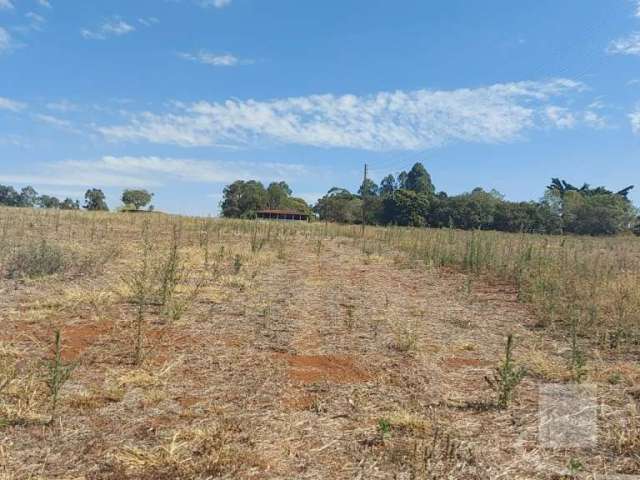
{"points": [[318, 361]]}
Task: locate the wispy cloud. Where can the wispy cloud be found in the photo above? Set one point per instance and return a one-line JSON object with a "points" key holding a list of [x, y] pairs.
{"points": [[114, 27], [6, 42], [214, 59], [63, 106], [6, 5], [414, 120], [629, 45], [127, 171], [56, 122], [214, 3], [45, 3], [560, 117], [35, 21], [594, 120], [634, 118], [11, 105], [148, 21]]}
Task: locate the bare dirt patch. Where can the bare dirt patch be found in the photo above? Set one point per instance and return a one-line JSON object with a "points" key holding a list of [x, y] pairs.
{"points": [[310, 369]]}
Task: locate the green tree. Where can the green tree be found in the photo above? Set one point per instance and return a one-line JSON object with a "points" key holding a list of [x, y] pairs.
{"points": [[603, 214], [339, 205], [27, 197], [368, 188], [94, 199], [406, 208], [70, 204], [419, 180], [277, 194], [136, 198], [242, 199], [8, 196], [388, 185], [46, 201]]}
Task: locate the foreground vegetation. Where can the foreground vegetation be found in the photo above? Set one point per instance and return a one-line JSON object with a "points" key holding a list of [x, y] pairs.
{"points": [[152, 346]]}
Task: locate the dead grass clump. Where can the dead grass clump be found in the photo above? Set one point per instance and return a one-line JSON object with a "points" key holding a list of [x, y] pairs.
{"points": [[622, 435], [218, 450], [423, 448]]}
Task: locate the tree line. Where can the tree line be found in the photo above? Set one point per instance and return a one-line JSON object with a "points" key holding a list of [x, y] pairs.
{"points": [[411, 199], [94, 199]]}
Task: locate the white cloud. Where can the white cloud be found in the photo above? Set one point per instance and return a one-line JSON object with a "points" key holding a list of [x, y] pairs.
{"points": [[6, 42], [11, 105], [114, 27], [629, 45], [215, 3], [63, 106], [6, 5], [129, 171], [35, 21], [594, 120], [634, 118], [214, 59], [560, 117], [45, 3], [148, 22], [56, 122], [638, 8], [397, 120]]}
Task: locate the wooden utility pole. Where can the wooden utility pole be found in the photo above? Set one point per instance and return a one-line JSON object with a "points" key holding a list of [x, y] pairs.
{"points": [[364, 198]]}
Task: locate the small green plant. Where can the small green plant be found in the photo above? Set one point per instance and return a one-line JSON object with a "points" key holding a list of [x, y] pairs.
{"points": [[140, 283], [170, 270], [318, 247], [575, 466], [237, 264], [384, 428], [578, 360], [506, 377], [58, 373], [257, 242]]}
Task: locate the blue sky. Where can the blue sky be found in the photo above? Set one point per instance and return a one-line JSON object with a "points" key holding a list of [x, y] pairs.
{"points": [[184, 96]]}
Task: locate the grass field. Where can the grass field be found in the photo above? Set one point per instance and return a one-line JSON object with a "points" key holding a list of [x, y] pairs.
{"points": [[193, 349]]}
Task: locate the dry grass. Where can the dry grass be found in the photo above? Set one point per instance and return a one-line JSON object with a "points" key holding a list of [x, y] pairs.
{"points": [[297, 342]]}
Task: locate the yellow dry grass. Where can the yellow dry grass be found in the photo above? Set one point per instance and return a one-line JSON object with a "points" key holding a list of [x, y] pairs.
{"points": [[294, 343]]}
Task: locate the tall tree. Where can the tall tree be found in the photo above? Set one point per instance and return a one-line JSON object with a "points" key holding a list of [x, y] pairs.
{"points": [[277, 194], [419, 180], [8, 196], [46, 201], [388, 185], [27, 197], [242, 199], [368, 188], [136, 198], [94, 199]]}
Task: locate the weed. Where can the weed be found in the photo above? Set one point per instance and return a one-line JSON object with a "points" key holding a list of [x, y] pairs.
{"points": [[36, 259], [575, 466], [58, 373], [578, 360], [506, 377], [384, 428], [237, 264]]}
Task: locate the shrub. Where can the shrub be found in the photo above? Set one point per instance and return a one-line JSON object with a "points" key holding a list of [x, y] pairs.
{"points": [[506, 377], [36, 260]]}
